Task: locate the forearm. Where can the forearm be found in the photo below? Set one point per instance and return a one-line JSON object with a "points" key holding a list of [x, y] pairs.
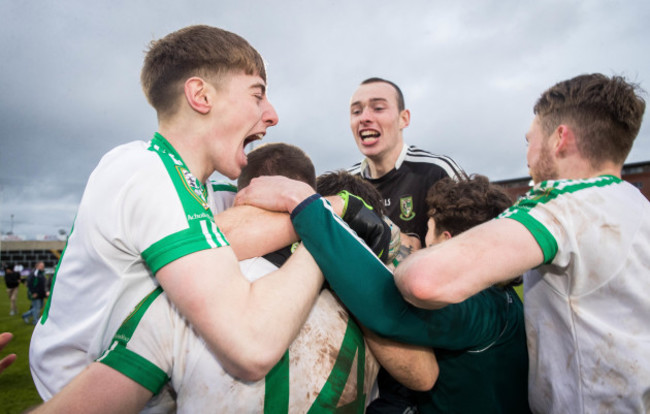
{"points": [[280, 304], [459, 268], [413, 366], [253, 232], [357, 276], [247, 325]]}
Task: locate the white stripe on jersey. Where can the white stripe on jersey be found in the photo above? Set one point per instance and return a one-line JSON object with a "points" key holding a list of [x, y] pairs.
{"points": [[207, 233], [452, 169]]}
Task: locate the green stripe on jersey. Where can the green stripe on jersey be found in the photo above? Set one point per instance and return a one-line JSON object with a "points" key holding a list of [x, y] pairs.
{"points": [[223, 187], [182, 243], [46, 309], [127, 362], [276, 393], [276, 387], [330, 394], [546, 192], [202, 233]]}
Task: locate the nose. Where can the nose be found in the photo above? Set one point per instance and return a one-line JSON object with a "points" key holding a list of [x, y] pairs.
{"points": [[364, 116], [269, 116]]}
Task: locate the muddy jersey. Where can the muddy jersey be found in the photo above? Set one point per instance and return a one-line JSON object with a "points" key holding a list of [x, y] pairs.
{"points": [[327, 368], [480, 343], [404, 188], [587, 305], [141, 210]]}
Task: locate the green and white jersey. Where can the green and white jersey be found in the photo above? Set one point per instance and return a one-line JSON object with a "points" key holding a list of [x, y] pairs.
{"points": [[141, 210], [327, 368], [587, 306]]}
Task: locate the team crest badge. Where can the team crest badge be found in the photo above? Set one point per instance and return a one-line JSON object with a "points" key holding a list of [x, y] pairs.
{"points": [[194, 187], [406, 208]]}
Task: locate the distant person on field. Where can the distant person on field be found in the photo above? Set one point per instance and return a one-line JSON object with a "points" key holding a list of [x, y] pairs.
{"points": [[12, 281], [36, 292]]}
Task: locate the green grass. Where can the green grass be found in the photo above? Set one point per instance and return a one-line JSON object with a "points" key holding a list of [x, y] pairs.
{"points": [[17, 390]]}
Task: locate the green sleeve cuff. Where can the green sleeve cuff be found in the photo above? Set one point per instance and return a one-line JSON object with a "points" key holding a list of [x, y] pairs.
{"points": [[544, 238], [135, 367]]}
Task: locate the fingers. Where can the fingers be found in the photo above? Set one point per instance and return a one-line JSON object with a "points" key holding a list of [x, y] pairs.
{"points": [[6, 361], [5, 338], [274, 193]]}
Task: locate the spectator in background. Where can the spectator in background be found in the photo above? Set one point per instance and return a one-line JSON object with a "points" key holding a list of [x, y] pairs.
{"points": [[12, 280], [35, 292]]}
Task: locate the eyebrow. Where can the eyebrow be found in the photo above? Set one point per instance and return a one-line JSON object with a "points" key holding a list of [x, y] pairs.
{"points": [[260, 86], [372, 100]]}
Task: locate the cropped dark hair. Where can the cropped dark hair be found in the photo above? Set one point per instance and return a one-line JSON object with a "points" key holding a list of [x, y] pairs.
{"points": [[204, 51], [457, 206], [606, 114], [400, 96], [333, 182], [277, 158]]}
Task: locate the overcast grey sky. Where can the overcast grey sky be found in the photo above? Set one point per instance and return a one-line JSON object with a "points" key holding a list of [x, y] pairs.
{"points": [[470, 71]]}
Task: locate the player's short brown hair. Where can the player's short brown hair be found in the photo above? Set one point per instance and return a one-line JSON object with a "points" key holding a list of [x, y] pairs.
{"points": [[277, 158], [203, 51], [606, 114], [333, 182], [457, 206], [399, 95]]}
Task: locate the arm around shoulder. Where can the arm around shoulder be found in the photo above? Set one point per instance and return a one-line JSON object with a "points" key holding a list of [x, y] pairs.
{"points": [[451, 272]]}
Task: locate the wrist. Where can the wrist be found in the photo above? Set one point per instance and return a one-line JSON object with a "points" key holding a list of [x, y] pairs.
{"points": [[303, 204], [296, 196]]}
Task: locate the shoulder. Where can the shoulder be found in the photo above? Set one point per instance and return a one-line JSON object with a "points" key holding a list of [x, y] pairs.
{"points": [[420, 158], [221, 195], [355, 169]]}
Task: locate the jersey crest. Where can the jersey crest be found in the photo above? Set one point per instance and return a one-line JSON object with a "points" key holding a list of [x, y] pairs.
{"points": [[193, 186], [406, 208]]}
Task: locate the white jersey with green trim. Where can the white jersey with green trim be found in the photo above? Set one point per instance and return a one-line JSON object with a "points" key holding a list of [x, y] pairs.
{"points": [[587, 306], [141, 209], [158, 349]]}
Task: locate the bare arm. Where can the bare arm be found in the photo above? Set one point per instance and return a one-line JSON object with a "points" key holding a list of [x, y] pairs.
{"points": [[98, 389], [254, 232], [452, 271], [233, 315], [413, 366]]}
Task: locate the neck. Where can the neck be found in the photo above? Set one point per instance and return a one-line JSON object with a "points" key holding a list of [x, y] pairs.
{"points": [[579, 169], [381, 164], [187, 143]]}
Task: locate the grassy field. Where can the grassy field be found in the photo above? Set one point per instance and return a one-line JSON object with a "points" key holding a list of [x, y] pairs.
{"points": [[17, 391]]}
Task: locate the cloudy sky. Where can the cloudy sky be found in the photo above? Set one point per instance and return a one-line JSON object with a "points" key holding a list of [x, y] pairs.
{"points": [[470, 71]]}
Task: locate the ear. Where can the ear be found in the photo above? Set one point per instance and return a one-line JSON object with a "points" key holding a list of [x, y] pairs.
{"points": [[565, 140], [197, 94], [446, 235], [404, 118]]}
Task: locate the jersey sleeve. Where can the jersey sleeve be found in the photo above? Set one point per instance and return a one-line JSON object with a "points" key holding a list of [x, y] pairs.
{"points": [[163, 217], [367, 288], [534, 213], [142, 347]]}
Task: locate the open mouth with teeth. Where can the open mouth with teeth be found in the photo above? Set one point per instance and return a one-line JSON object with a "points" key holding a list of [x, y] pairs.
{"points": [[368, 134], [252, 138]]}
